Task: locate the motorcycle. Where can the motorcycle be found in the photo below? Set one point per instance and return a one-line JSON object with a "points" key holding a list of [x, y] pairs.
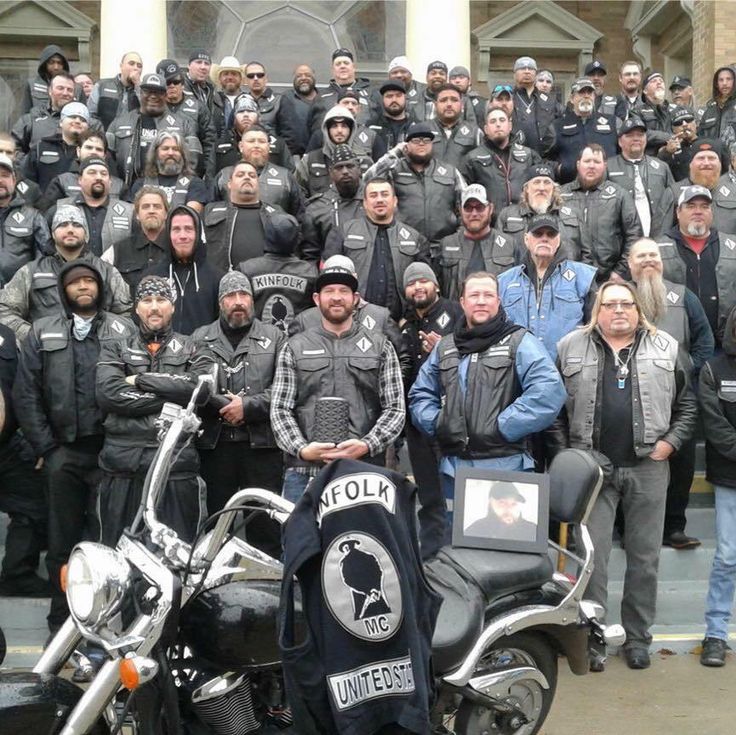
{"points": [[190, 631]]}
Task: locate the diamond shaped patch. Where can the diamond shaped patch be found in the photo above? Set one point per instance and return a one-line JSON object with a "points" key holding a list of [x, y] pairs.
{"points": [[441, 170], [272, 171], [22, 187], [654, 164], [170, 120], [672, 297], [569, 274], [363, 137], [610, 190], [464, 130], [565, 210], [500, 241], [118, 209], [404, 232], [118, 327], [17, 216], [730, 244], [364, 344], [265, 342], [175, 345], [369, 322], [725, 191], [444, 319], [183, 180], [189, 102]]}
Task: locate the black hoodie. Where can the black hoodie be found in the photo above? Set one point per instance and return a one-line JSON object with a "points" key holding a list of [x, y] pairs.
{"points": [[36, 90], [196, 282]]}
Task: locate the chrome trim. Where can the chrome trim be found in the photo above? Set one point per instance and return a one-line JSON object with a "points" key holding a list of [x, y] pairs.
{"points": [[498, 684], [59, 649], [217, 686], [592, 610], [94, 701]]}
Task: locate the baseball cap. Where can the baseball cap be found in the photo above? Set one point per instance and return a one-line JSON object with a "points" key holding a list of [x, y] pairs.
{"points": [[632, 123], [340, 261], [475, 191], [343, 52], [169, 69], [538, 221], [75, 109], [652, 75], [541, 169], [692, 192], [525, 62], [500, 89], [6, 162], [581, 84], [153, 83], [506, 490], [349, 92], [594, 66], [392, 84], [682, 114], [678, 81], [399, 62], [419, 130], [336, 275], [459, 71], [437, 65]]}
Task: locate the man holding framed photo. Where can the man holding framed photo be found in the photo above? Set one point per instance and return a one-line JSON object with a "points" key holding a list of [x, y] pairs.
{"points": [[485, 389], [628, 401]]}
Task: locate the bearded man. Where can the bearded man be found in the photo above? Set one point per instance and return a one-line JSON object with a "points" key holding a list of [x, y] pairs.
{"points": [[675, 309]]}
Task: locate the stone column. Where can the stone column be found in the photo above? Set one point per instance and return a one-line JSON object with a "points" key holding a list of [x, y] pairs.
{"points": [[437, 29], [132, 25]]}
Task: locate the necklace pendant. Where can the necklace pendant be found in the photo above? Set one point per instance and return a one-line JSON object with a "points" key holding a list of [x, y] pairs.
{"points": [[621, 383], [623, 372], [529, 110]]}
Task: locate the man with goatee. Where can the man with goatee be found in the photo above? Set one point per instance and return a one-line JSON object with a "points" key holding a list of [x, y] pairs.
{"points": [[674, 308], [698, 255], [654, 110], [706, 169]]}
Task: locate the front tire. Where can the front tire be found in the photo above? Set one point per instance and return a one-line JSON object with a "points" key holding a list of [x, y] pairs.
{"points": [[522, 649]]}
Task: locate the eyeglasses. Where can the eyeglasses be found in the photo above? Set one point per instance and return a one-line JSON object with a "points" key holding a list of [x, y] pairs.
{"points": [[616, 305], [256, 75], [421, 140], [502, 88]]}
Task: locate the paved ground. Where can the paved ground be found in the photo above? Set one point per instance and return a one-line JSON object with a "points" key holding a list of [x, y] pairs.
{"points": [[676, 696]]}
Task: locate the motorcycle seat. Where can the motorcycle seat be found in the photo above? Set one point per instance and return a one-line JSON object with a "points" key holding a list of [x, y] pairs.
{"points": [[469, 580]]}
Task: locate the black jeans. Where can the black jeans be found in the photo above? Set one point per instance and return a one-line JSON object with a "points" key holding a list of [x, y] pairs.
{"points": [[23, 498], [682, 471]]}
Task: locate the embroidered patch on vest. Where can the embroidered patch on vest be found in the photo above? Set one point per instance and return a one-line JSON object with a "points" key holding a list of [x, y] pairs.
{"points": [[569, 274], [364, 344], [368, 322], [672, 297], [443, 319]]}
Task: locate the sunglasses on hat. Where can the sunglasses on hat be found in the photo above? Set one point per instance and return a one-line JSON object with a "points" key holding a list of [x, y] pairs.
{"points": [[502, 88]]}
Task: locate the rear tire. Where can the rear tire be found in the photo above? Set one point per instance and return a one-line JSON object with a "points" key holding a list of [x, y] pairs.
{"points": [[521, 649]]}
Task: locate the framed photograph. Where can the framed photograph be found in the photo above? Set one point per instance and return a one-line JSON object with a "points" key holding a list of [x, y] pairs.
{"points": [[505, 511]]}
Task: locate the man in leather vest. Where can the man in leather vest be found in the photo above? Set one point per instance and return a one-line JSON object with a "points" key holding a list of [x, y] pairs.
{"points": [[237, 447], [227, 76], [332, 208], [606, 210], [428, 191], [484, 389], [474, 105], [108, 220], [699, 256], [428, 318], [647, 179], [117, 95], [629, 79], [55, 154], [498, 163], [380, 246], [454, 137], [502, 98], [719, 112], [391, 124], [675, 309], [715, 394], [168, 166], [197, 82], [33, 291], [548, 294], [27, 191], [541, 195], [676, 152], [605, 104], [476, 246], [296, 104], [282, 284], [131, 133], [54, 395], [268, 101], [51, 62], [276, 184], [24, 234], [629, 400], [339, 359], [136, 375], [580, 126], [535, 111], [144, 247], [654, 109]]}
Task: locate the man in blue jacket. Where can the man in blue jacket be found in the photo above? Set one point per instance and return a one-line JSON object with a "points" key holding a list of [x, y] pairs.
{"points": [[484, 389]]}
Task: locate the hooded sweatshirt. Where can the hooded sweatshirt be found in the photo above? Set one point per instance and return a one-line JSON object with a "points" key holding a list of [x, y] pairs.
{"points": [[195, 282], [36, 91], [716, 116]]}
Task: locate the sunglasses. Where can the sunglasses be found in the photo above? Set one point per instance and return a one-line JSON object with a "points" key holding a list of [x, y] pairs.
{"points": [[174, 82], [682, 121], [256, 75], [502, 88]]}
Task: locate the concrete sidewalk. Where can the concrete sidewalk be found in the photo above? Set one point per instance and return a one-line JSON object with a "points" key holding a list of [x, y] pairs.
{"points": [[676, 696]]}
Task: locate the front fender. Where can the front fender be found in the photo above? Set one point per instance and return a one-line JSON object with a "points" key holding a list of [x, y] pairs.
{"points": [[37, 703]]}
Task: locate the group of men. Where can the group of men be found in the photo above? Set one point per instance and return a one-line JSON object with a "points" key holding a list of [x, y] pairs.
{"points": [[490, 280]]}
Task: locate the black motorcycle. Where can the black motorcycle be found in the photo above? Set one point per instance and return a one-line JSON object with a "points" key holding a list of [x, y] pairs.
{"points": [[190, 631]]}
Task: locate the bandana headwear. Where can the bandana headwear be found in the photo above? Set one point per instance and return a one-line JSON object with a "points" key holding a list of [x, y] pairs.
{"points": [[343, 153], [69, 213], [245, 103], [155, 286], [232, 282]]}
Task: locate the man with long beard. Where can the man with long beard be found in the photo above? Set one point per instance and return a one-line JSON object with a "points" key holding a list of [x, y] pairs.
{"points": [[675, 309], [654, 110], [720, 110], [706, 167], [699, 256], [541, 195]]}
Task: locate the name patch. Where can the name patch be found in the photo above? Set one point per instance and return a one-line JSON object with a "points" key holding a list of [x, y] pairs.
{"points": [[381, 679]]}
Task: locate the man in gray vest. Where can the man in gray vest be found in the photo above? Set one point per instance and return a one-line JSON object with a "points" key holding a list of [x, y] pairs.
{"points": [[696, 254], [116, 95], [628, 400], [454, 137], [33, 291], [476, 246], [675, 309], [339, 359], [24, 234], [380, 246], [647, 179], [108, 220]]}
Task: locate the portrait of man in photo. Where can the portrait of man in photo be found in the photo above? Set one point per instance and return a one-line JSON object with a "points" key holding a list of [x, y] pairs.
{"points": [[505, 513]]}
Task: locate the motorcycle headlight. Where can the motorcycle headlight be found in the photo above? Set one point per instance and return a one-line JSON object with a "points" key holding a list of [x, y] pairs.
{"points": [[97, 580]]}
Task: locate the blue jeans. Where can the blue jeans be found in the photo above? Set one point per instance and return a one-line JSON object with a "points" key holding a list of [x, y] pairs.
{"points": [[722, 582], [295, 483]]}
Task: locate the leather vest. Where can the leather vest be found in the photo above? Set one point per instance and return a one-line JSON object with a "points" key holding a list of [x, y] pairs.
{"points": [[110, 92], [467, 424], [465, 137], [69, 183], [118, 223], [17, 242], [273, 184], [178, 196]]}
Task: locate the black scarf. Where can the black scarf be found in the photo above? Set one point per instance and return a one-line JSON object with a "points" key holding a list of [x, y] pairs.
{"points": [[234, 335], [480, 337]]}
